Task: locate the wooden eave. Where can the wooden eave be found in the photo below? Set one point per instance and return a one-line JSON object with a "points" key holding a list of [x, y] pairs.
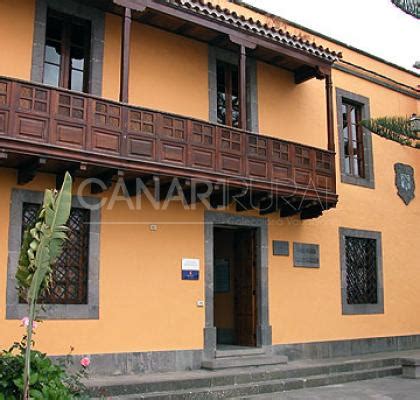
{"points": [[177, 20]]}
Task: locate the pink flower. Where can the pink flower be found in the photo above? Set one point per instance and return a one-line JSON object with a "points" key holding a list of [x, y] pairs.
{"points": [[25, 323], [85, 362]]}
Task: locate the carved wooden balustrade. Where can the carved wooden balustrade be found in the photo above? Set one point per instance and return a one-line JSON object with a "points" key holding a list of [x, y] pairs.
{"points": [[48, 122]]}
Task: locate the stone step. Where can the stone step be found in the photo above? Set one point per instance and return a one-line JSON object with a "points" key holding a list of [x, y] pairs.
{"points": [[243, 361], [246, 391], [203, 380], [329, 379], [252, 351]]}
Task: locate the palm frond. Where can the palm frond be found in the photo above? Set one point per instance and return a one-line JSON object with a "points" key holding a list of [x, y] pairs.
{"points": [[398, 129], [411, 7]]}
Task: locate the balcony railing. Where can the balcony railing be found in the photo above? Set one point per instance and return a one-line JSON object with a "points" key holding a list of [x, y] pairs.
{"points": [[40, 120]]}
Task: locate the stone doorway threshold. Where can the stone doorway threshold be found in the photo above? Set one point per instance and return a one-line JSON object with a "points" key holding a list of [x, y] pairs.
{"points": [[228, 350]]}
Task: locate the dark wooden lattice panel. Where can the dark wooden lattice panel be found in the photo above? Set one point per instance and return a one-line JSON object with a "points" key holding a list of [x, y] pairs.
{"points": [[257, 147], [202, 134], [69, 284], [3, 93], [361, 267], [4, 102], [33, 99], [323, 161], [302, 156], [71, 106], [173, 128], [230, 141], [108, 115], [141, 122], [281, 152]]}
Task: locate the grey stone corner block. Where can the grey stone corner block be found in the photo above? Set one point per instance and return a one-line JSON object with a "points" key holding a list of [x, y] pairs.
{"points": [[411, 368]]}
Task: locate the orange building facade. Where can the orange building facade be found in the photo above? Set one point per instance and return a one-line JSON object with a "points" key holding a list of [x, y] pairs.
{"points": [[265, 216]]}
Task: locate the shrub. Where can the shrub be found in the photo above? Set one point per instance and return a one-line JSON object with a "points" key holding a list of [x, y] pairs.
{"points": [[47, 380]]}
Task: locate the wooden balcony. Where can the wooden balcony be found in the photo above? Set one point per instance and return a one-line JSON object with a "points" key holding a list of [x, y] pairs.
{"points": [[70, 128]]}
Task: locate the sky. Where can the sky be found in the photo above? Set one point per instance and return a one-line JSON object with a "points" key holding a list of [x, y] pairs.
{"points": [[375, 26]]}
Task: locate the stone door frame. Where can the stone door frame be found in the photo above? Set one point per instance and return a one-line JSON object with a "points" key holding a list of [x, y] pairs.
{"points": [[264, 333]]}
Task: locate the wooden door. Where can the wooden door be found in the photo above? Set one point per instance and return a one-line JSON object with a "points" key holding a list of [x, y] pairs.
{"points": [[245, 288]]}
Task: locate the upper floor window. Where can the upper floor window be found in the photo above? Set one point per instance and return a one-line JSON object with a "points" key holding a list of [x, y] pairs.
{"points": [[353, 139], [356, 158], [227, 94], [67, 52], [224, 102]]}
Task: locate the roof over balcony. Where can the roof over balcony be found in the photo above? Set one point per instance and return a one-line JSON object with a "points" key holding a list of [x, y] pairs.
{"points": [[204, 21], [249, 25]]}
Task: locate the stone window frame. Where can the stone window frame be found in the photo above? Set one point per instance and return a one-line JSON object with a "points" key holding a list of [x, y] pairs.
{"points": [[364, 102], [97, 19], [217, 54], [360, 309], [16, 310]]}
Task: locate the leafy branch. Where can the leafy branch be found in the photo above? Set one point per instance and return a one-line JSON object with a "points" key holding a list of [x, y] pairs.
{"points": [[411, 7], [42, 245], [397, 129]]}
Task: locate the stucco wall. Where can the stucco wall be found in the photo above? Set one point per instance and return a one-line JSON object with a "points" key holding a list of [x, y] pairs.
{"points": [[16, 37], [144, 305]]}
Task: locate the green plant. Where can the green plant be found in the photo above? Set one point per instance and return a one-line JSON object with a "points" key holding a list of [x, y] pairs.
{"points": [[47, 380], [42, 245], [398, 129], [411, 7]]}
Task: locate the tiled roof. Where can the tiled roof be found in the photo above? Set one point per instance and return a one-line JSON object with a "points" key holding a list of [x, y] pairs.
{"points": [[207, 9]]}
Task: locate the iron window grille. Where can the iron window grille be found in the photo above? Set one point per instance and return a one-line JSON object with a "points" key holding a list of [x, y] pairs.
{"points": [[362, 271], [69, 280]]}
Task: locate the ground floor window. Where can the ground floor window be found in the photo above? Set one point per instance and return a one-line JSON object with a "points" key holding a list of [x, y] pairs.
{"points": [[361, 271], [74, 293], [69, 280]]}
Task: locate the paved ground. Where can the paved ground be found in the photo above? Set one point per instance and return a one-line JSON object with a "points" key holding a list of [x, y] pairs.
{"points": [[395, 388]]}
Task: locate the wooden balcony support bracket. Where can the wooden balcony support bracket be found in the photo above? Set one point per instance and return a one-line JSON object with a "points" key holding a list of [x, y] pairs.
{"points": [[311, 212], [269, 205], [172, 188], [105, 181], [306, 72], [27, 171], [59, 178]]}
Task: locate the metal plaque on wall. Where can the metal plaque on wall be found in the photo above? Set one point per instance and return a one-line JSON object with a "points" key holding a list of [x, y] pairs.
{"points": [[306, 255], [280, 248], [404, 180]]}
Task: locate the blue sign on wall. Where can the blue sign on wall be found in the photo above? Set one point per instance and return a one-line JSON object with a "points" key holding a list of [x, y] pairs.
{"points": [[190, 275], [190, 269]]}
